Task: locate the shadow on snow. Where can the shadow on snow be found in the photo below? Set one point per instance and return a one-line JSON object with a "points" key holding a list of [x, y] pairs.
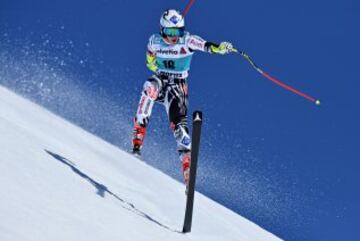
{"points": [[101, 190]]}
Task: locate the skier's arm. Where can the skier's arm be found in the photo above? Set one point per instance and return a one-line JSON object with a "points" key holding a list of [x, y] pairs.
{"points": [[151, 56], [196, 43]]}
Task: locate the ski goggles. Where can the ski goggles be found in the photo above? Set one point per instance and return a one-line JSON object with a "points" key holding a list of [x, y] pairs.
{"points": [[173, 32]]}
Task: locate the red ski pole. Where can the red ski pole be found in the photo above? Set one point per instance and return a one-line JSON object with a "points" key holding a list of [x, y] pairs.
{"points": [[188, 6], [263, 73], [276, 81]]}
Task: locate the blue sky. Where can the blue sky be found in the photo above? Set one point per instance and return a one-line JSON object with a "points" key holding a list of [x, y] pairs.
{"points": [[268, 154]]}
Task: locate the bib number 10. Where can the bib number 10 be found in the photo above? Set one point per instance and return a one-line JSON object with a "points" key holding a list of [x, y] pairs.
{"points": [[169, 64]]}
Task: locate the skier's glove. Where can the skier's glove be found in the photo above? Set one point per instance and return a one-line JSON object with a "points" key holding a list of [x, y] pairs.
{"points": [[151, 62], [223, 48]]}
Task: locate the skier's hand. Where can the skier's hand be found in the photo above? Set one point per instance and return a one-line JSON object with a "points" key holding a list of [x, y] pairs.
{"points": [[223, 48], [226, 47]]}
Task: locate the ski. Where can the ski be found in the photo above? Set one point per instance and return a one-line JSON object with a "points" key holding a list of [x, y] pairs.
{"points": [[196, 132]]}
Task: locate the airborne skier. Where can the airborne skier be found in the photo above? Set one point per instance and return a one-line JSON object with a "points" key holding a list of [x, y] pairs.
{"points": [[169, 56]]}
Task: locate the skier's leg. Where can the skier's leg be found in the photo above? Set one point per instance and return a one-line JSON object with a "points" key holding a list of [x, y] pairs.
{"points": [[149, 95], [176, 103]]}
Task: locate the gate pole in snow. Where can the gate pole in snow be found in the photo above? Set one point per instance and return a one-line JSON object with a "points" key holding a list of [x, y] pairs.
{"points": [[196, 132]]}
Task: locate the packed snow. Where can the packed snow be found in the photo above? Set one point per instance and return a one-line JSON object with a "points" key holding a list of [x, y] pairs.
{"points": [[63, 183]]}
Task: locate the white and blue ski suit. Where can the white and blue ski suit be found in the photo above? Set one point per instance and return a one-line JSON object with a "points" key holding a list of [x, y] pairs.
{"points": [[168, 85]]}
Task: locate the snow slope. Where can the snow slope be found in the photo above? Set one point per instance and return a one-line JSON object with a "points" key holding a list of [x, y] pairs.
{"points": [[61, 183]]}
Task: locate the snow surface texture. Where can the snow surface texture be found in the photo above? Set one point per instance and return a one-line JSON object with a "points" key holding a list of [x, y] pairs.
{"points": [[63, 183]]}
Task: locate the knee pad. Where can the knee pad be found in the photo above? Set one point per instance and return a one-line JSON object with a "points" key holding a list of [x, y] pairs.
{"points": [[152, 87]]}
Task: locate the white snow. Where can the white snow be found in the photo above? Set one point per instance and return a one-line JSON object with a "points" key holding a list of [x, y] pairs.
{"points": [[58, 182]]}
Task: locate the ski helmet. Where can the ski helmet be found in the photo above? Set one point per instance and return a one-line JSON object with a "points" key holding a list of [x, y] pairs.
{"points": [[172, 24]]}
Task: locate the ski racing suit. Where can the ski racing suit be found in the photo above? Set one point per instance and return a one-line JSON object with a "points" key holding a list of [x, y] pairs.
{"points": [[170, 64]]}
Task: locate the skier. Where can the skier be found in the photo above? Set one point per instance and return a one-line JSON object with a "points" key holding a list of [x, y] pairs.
{"points": [[169, 56]]}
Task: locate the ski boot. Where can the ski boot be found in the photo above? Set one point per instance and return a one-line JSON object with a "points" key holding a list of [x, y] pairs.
{"points": [[138, 138]]}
